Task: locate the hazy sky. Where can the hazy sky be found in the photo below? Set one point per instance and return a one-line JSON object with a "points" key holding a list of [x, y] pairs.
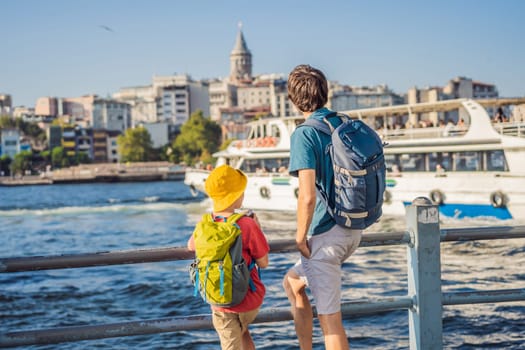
{"points": [[63, 48]]}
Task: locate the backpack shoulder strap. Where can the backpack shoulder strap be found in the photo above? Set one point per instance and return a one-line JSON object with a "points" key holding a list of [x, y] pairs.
{"points": [[232, 219], [317, 125], [207, 217], [324, 126]]}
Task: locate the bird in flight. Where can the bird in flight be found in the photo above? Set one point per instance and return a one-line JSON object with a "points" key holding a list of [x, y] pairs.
{"points": [[106, 28]]}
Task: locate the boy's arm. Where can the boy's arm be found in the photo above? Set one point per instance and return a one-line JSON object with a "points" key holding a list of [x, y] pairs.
{"points": [[262, 262], [305, 209], [191, 243], [258, 245]]}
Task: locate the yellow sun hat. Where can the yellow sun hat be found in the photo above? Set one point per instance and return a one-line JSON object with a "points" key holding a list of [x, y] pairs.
{"points": [[224, 186]]}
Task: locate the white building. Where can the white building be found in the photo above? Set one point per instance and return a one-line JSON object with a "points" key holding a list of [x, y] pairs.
{"points": [[10, 145], [462, 87], [110, 115], [143, 101], [180, 96], [345, 97], [223, 94], [169, 99], [159, 133], [459, 87], [112, 150]]}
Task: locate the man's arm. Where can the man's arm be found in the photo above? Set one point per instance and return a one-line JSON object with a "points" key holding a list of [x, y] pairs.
{"points": [[305, 208]]}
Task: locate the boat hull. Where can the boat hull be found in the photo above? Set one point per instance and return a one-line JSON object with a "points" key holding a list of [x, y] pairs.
{"points": [[458, 195]]}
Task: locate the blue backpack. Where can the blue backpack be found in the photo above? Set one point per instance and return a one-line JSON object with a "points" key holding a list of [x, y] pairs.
{"points": [[357, 156]]}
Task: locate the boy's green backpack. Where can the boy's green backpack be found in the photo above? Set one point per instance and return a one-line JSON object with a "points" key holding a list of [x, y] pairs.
{"points": [[219, 272]]}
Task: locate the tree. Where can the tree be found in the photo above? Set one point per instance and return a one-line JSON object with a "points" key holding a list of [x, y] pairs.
{"points": [[29, 129], [59, 157], [198, 140], [46, 156], [21, 162], [135, 145], [82, 158], [5, 162]]}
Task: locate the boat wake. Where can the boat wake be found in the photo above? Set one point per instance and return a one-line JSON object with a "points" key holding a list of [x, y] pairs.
{"points": [[102, 209]]}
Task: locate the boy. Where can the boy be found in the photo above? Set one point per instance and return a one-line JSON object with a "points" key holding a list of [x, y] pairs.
{"points": [[225, 186], [330, 245]]}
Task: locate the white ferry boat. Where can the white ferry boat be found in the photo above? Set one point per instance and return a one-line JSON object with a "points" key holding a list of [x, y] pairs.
{"points": [[471, 170]]}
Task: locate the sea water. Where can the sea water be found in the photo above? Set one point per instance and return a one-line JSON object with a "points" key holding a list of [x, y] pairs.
{"points": [[87, 218]]}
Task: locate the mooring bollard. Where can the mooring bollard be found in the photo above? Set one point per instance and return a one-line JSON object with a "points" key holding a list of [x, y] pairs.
{"points": [[424, 276]]}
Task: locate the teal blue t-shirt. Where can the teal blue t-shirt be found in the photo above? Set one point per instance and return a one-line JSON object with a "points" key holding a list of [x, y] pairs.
{"points": [[309, 150]]}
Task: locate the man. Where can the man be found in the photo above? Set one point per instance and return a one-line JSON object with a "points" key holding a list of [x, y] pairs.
{"points": [[330, 245]]}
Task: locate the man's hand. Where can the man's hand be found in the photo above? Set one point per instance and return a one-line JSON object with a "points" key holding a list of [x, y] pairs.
{"points": [[303, 247]]}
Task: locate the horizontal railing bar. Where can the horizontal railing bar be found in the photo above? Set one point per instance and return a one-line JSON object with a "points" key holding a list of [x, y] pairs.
{"points": [[482, 233], [200, 322], [35, 263], [482, 297], [180, 323], [65, 261]]}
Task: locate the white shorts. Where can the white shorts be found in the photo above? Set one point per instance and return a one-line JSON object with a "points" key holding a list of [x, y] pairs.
{"points": [[322, 272]]}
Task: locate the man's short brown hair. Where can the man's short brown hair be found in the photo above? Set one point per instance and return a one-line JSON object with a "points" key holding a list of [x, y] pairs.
{"points": [[307, 88]]}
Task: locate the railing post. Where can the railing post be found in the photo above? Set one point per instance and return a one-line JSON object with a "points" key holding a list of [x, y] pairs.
{"points": [[424, 276]]}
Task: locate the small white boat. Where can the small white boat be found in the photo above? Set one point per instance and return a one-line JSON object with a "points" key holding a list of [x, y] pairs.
{"points": [[471, 170]]}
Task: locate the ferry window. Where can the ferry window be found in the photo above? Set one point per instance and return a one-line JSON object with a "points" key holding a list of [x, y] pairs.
{"points": [[250, 165], [496, 161], [391, 160], [413, 162], [442, 158], [265, 165], [275, 164], [275, 131], [467, 161]]}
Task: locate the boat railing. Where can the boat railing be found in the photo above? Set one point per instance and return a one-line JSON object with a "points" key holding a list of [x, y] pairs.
{"points": [[257, 142], [424, 299], [510, 128], [422, 133]]}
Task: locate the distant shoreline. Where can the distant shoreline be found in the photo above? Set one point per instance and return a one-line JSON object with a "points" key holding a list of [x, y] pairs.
{"points": [[102, 173]]}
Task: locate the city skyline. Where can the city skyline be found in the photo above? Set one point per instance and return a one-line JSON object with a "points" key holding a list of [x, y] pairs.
{"points": [[66, 49]]}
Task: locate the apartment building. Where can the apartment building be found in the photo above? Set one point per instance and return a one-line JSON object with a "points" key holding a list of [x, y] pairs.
{"points": [[346, 97], [10, 142], [143, 101], [88, 111], [459, 87], [105, 148], [223, 94], [169, 99], [180, 96], [462, 87], [110, 114]]}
